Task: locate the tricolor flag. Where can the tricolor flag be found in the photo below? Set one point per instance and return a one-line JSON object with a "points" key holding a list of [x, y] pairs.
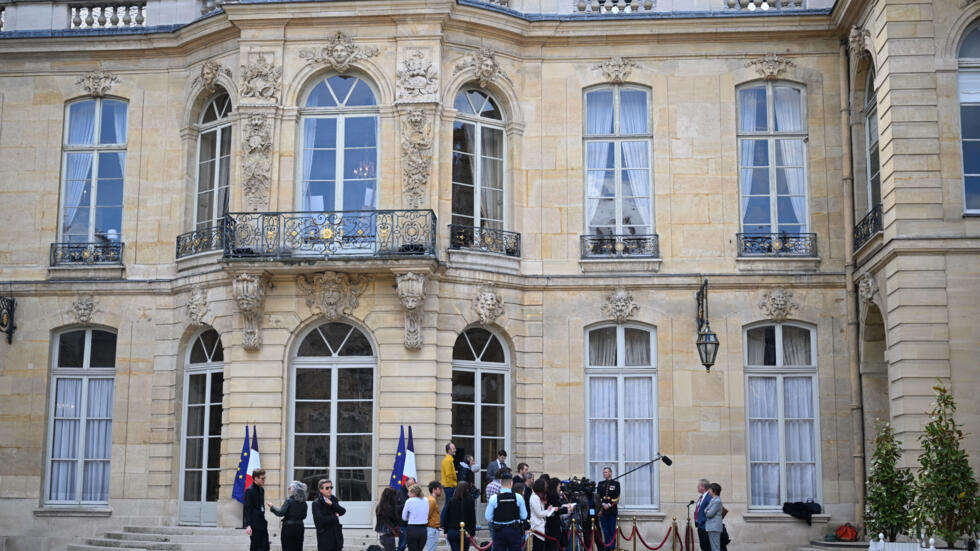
{"points": [[398, 470], [409, 469], [253, 458], [238, 490]]}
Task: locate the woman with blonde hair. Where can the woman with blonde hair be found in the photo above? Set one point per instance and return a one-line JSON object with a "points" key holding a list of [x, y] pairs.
{"points": [[416, 514], [293, 513]]}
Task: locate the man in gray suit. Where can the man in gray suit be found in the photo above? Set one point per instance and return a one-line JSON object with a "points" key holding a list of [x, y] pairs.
{"points": [[713, 517], [498, 464]]}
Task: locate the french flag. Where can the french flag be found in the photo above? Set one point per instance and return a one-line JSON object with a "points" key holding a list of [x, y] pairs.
{"points": [[238, 490], [409, 468], [253, 458]]}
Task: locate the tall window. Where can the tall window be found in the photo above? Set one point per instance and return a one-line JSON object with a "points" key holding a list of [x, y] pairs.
{"points": [[622, 433], [618, 146], [781, 396], [478, 161], [81, 417], [94, 161], [203, 394], [481, 396], [213, 162], [969, 91], [871, 142], [772, 158], [340, 146]]}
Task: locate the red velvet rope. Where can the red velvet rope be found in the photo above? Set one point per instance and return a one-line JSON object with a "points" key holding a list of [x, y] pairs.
{"points": [[647, 545]]}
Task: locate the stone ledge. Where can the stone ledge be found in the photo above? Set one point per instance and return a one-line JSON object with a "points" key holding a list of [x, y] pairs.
{"points": [[620, 265], [87, 271], [777, 264], [204, 258], [484, 261], [641, 515], [73, 511], [778, 516]]}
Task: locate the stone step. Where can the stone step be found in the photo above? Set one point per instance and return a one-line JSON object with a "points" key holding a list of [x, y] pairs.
{"points": [[127, 544]]}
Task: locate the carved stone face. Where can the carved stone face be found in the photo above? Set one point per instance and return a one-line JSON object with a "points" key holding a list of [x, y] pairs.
{"points": [[416, 117], [332, 295], [410, 303], [340, 53]]}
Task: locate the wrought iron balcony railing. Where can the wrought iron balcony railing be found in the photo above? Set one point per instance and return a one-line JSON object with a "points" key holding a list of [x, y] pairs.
{"points": [[777, 244], [282, 235], [485, 240], [868, 227], [620, 246], [108, 252], [202, 240]]}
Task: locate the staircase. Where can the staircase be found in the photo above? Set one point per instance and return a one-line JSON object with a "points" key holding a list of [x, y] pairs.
{"points": [[834, 546], [187, 538]]}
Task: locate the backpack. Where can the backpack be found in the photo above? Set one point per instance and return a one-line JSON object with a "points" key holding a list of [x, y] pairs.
{"points": [[847, 532]]}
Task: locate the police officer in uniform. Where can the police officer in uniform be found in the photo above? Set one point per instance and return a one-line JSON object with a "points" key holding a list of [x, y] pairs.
{"points": [[607, 492], [506, 511]]}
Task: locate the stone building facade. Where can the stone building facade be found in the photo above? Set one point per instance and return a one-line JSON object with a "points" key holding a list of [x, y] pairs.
{"points": [[326, 220]]}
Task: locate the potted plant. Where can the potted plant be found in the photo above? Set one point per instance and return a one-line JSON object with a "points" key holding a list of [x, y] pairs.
{"points": [[890, 488]]}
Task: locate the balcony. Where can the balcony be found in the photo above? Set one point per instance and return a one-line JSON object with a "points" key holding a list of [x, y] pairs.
{"points": [[798, 245], [868, 227], [200, 241], [484, 240], [620, 246], [352, 235], [74, 254]]}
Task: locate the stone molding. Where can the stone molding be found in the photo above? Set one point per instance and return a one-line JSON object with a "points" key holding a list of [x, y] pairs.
{"points": [[771, 66], [411, 292], [261, 79], [332, 294], [859, 42], [487, 304], [616, 69], [418, 79], [483, 65], [867, 288], [98, 82], [416, 156], [620, 305], [197, 306], [249, 292], [257, 162], [82, 308], [339, 54], [778, 304], [210, 71]]}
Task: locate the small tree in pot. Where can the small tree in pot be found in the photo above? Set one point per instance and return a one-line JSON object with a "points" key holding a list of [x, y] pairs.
{"points": [[890, 490]]}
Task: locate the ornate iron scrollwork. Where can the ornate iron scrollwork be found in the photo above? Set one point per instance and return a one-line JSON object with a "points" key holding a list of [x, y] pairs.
{"points": [[868, 227], [7, 307], [199, 241], [620, 246], [109, 252], [485, 240], [777, 244]]}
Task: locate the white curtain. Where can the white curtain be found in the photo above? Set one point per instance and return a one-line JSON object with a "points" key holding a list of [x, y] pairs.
{"points": [[64, 441], [747, 112], [756, 343], [599, 116], [98, 440], [603, 443], [491, 196], [796, 346], [119, 119], [633, 112], [635, 157], [602, 347], [81, 126], [638, 437], [77, 178], [637, 347], [309, 135], [763, 441], [800, 439], [789, 118]]}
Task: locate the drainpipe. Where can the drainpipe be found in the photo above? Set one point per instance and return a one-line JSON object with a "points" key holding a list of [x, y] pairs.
{"points": [[847, 184]]}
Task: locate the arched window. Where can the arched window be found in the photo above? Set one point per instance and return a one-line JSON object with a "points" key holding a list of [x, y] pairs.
{"points": [[339, 157], [82, 392], [621, 391], [201, 458], [481, 397], [478, 169], [213, 162], [871, 141], [782, 414], [969, 92], [332, 394], [772, 136]]}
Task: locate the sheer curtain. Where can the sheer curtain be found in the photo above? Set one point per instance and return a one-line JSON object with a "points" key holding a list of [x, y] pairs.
{"points": [[747, 106], [763, 441], [309, 137], [81, 131], [788, 112], [796, 346], [491, 185], [599, 117], [756, 343], [603, 443], [118, 120], [799, 426], [635, 157], [639, 437], [98, 440], [64, 441], [633, 112], [602, 347], [637, 347]]}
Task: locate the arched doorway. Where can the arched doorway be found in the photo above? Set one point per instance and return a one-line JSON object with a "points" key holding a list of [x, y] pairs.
{"points": [[331, 417], [874, 375]]}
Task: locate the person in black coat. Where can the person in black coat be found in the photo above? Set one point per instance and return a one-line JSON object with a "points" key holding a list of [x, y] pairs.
{"points": [[461, 508], [254, 513], [293, 513], [387, 520], [326, 516]]}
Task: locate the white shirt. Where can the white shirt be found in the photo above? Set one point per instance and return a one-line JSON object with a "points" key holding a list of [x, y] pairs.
{"points": [[538, 515], [416, 511]]}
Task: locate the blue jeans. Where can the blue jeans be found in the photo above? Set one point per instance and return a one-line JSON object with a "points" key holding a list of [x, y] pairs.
{"points": [[403, 539], [507, 538]]}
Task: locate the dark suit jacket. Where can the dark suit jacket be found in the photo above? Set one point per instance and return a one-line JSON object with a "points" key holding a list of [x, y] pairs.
{"points": [[608, 492], [700, 519], [253, 512], [326, 517]]}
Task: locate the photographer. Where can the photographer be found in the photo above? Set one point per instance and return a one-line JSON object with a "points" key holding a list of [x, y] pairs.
{"points": [[578, 492], [608, 495]]}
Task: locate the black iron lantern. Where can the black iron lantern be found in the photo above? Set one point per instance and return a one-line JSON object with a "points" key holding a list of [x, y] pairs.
{"points": [[707, 342]]}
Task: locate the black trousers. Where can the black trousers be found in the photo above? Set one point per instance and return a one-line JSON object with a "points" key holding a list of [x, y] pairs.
{"points": [[260, 539], [416, 536], [703, 539], [292, 536], [507, 537]]}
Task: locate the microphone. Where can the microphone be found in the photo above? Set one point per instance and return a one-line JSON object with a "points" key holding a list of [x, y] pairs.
{"points": [[691, 503], [667, 461]]}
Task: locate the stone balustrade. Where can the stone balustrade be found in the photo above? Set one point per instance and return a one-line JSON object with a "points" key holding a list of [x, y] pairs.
{"points": [[107, 15], [613, 7], [765, 5]]}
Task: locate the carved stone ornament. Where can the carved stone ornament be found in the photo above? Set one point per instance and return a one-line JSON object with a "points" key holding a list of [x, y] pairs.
{"points": [[249, 292], [210, 71], [859, 42], [411, 291], [778, 304], [333, 294], [616, 69], [771, 66], [418, 80], [98, 82], [867, 288], [488, 305], [620, 305], [257, 160], [83, 307], [339, 53], [260, 79], [416, 156], [197, 306], [484, 66]]}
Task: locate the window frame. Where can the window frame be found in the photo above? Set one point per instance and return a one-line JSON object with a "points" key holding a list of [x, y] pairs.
{"points": [[85, 374], [617, 138], [871, 110], [621, 372], [479, 123], [771, 135], [966, 65], [781, 372], [207, 368], [95, 149], [220, 126]]}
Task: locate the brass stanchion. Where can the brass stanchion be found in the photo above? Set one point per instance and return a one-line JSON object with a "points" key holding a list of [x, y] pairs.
{"points": [[462, 535], [617, 534], [596, 527], [673, 542], [634, 534], [574, 535]]}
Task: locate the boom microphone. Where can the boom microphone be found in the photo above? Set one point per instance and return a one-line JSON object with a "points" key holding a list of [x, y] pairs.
{"points": [[667, 461]]}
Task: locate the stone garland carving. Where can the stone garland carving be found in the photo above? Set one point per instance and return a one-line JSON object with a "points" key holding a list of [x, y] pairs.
{"points": [[620, 305], [257, 161], [859, 42], [488, 305], [333, 294], [210, 71], [484, 66], [411, 291], [340, 53], [616, 69], [416, 156], [418, 80], [98, 82], [770, 66], [260, 79], [778, 304], [197, 306], [249, 292], [867, 289], [83, 307]]}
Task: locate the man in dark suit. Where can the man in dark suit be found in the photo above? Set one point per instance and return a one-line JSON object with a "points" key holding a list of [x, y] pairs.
{"points": [[699, 514], [254, 512], [607, 492], [498, 464]]}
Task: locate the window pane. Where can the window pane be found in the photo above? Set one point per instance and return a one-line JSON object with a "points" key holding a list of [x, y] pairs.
{"points": [[753, 152], [600, 155], [491, 110], [755, 181], [95, 484], [341, 86], [195, 420], [971, 44], [638, 437], [972, 192], [633, 112], [103, 349], [81, 123], [192, 453], [492, 388], [479, 338], [192, 485], [463, 389], [360, 132], [354, 451], [355, 384], [320, 133], [71, 346], [637, 347], [312, 384], [796, 346], [322, 165], [801, 482], [602, 347], [312, 417], [494, 352], [362, 95], [214, 420], [765, 484], [319, 196], [313, 345], [68, 395], [971, 156], [602, 183], [462, 349], [493, 142], [761, 344], [599, 112], [211, 492], [196, 388], [602, 212], [637, 395], [752, 115], [113, 122], [464, 419], [492, 421], [320, 96], [755, 214], [354, 416], [602, 397], [311, 451], [359, 164], [98, 439], [970, 118], [788, 109], [353, 484]]}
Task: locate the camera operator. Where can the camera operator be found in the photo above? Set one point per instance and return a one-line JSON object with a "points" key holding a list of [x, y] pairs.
{"points": [[578, 492], [608, 495]]}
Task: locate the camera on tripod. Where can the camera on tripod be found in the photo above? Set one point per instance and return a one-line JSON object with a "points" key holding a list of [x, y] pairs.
{"points": [[577, 487]]}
